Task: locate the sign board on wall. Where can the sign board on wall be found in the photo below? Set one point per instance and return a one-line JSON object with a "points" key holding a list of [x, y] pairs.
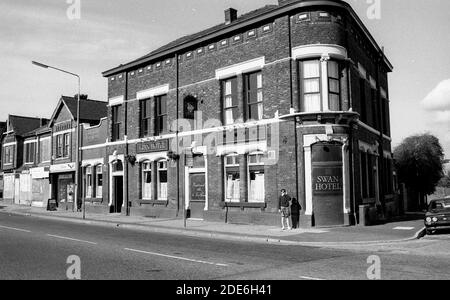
{"points": [[198, 187], [327, 180], [152, 146]]}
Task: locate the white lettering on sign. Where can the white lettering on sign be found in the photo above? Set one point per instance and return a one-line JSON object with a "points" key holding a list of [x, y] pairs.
{"points": [[328, 183]]}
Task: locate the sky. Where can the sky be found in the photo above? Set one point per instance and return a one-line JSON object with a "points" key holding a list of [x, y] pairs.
{"points": [[104, 34]]}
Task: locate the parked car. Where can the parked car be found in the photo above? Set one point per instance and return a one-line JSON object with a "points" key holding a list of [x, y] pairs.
{"points": [[438, 215]]}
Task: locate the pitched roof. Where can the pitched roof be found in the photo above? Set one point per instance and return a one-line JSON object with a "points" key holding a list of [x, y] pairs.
{"points": [[21, 125], [40, 130], [90, 110], [268, 11], [194, 36]]}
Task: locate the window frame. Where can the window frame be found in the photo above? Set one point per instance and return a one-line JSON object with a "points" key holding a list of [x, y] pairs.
{"points": [[98, 194], [158, 179], [145, 117], [302, 80], [30, 153], [234, 169], [338, 79], [258, 166], [234, 108], [248, 93], [116, 121], [89, 182], [159, 116], [143, 171]]}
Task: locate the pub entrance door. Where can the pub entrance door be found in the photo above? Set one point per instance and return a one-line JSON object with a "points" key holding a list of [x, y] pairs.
{"points": [[197, 195], [327, 175], [118, 195]]}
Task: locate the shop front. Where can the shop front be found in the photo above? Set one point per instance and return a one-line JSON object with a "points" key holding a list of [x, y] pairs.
{"points": [[62, 180]]}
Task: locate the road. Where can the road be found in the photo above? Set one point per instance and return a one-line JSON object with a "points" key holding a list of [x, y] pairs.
{"points": [[36, 248]]}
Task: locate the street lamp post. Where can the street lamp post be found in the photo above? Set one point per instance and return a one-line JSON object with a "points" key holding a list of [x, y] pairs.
{"points": [[77, 156]]}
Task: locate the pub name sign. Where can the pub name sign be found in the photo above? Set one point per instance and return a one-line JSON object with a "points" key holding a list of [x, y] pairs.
{"points": [[152, 146]]}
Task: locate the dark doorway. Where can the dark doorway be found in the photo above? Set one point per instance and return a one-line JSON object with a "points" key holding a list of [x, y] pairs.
{"points": [[197, 195], [328, 188], [118, 195]]}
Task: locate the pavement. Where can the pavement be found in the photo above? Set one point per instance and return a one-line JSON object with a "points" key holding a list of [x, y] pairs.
{"points": [[400, 231]]}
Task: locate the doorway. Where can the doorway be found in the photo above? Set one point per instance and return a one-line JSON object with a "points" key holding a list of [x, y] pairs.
{"points": [[197, 195], [328, 187], [118, 195]]}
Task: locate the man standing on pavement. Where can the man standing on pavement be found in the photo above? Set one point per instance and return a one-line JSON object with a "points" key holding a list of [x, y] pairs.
{"points": [[284, 204]]}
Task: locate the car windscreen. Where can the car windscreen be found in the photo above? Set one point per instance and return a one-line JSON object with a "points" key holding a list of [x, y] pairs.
{"points": [[440, 205]]}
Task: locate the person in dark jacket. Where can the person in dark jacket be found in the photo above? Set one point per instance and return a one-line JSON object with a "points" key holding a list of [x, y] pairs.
{"points": [[295, 213], [284, 207]]}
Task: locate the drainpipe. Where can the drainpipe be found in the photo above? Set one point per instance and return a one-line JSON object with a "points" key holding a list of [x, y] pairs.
{"points": [[292, 106], [125, 170]]}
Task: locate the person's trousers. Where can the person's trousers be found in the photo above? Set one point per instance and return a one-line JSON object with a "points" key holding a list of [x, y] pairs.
{"points": [[295, 221]]}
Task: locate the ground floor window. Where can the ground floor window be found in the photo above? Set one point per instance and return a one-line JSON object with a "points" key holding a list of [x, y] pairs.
{"points": [[256, 179], [93, 182], [146, 180], [232, 179], [162, 179], [99, 182], [89, 182]]}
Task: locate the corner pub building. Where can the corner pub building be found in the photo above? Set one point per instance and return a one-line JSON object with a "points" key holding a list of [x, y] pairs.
{"points": [[291, 96]]}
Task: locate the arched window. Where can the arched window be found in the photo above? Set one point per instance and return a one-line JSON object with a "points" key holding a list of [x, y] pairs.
{"points": [[118, 166], [146, 180]]}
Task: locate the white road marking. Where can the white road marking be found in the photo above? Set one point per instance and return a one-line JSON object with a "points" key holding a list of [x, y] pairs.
{"points": [[16, 229], [310, 278], [70, 239], [177, 257], [403, 228]]}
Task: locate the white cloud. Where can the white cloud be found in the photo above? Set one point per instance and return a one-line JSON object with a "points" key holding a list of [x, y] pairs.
{"points": [[439, 98]]}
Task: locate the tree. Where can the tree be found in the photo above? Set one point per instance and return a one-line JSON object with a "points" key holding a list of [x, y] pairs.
{"points": [[419, 162], [445, 181]]}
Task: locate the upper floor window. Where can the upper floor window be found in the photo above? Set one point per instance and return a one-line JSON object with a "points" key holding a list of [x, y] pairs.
{"points": [[314, 76], [334, 86], [44, 150], [230, 101], [30, 153], [161, 115], [310, 76], [145, 117], [9, 155], [253, 84], [116, 122], [62, 145]]}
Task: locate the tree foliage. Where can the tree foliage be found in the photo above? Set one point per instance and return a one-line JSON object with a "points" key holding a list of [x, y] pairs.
{"points": [[419, 162], [445, 181]]}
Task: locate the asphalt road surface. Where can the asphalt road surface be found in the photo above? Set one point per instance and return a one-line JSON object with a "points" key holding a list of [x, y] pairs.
{"points": [[36, 248]]}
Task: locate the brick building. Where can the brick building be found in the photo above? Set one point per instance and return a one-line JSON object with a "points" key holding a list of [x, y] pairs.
{"points": [[291, 96], [16, 178], [63, 145], [2, 130]]}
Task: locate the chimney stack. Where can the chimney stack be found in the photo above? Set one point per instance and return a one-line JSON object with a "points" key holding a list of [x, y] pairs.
{"points": [[230, 15]]}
